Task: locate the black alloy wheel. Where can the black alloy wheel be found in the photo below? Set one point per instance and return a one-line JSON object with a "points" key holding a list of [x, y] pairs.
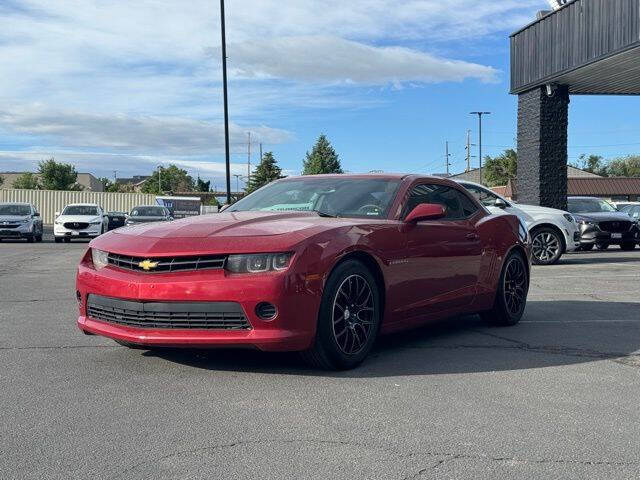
{"points": [[511, 297], [547, 246], [349, 318], [628, 246]]}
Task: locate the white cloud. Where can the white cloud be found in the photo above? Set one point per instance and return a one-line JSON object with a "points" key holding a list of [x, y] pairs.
{"points": [[331, 59]]}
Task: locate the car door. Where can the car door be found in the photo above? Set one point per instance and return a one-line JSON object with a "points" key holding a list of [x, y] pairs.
{"points": [[443, 256]]}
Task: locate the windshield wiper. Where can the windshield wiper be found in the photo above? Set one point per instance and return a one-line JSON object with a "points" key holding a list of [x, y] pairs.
{"points": [[324, 214]]}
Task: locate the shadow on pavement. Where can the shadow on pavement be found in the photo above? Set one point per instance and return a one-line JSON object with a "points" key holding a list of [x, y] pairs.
{"points": [[552, 334]]}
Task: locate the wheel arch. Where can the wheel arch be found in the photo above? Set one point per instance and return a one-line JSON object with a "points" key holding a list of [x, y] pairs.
{"points": [[520, 250]]}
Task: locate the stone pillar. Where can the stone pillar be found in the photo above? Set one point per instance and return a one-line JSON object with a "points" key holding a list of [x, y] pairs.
{"points": [[542, 147]]}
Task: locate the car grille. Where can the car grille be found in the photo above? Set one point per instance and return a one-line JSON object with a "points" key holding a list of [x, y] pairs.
{"points": [[615, 227], [169, 315], [9, 225], [167, 264], [9, 233], [76, 225]]}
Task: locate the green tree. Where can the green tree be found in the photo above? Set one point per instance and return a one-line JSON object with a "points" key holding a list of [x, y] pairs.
{"points": [[26, 181], [322, 159], [172, 179], [58, 176], [202, 186], [1, 180], [266, 172], [593, 164], [624, 167], [108, 185], [499, 170]]}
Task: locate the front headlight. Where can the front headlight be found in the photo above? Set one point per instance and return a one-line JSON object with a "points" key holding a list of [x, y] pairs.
{"points": [[258, 263], [586, 223], [59, 222], [100, 258], [95, 223], [26, 220]]}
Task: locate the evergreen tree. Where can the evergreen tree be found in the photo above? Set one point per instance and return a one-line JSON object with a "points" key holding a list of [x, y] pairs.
{"points": [[202, 186], [266, 172], [322, 159]]}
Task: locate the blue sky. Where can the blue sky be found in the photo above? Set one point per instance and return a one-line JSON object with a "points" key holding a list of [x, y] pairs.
{"points": [[126, 85]]}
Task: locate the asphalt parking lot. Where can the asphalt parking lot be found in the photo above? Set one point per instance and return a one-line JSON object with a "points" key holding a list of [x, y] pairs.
{"points": [[555, 397]]}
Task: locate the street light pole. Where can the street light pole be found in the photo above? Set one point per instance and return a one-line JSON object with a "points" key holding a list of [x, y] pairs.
{"points": [[226, 102], [159, 184], [480, 114]]}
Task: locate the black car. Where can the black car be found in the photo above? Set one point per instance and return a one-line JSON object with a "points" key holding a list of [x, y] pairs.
{"points": [[146, 214], [603, 225], [116, 219]]}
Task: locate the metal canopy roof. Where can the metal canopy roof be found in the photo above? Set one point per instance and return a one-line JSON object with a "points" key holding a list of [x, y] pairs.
{"points": [[592, 46]]}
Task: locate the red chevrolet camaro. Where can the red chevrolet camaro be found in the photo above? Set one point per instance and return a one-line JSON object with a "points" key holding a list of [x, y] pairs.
{"points": [[317, 264]]}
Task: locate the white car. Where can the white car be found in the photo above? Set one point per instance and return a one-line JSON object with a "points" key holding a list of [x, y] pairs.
{"points": [[80, 220], [553, 232]]}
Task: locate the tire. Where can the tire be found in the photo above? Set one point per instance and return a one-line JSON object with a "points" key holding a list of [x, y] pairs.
{"points": [[587, 247], [132, 346], [345, 342], [602, 246], [31, 238], [58, 239], [67, 240], [628, 246], [547, 246], [514, 282], [39, 238]]}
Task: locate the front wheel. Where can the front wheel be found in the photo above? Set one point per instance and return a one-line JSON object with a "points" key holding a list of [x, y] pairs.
{"points": [[628, 246], [511, 297], [349, 319], [58, 239], [602, 246], [547, 246], [587, 247]]}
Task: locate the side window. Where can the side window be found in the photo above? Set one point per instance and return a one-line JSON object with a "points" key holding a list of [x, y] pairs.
{"points": [[485, 197], [456, 204]]}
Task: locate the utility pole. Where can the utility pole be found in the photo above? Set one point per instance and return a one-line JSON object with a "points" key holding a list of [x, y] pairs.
{"points": [[159, 184], [226, 102], [260, 151], [248, 157], [480, 114], [115, 177], [446, 156], [468, 148]]}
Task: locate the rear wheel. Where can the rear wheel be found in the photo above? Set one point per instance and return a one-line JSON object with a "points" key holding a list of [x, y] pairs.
{"points": [[547, 246], [602, 246], [587, 247], [349, 319], [511, 298], [628, 246]]}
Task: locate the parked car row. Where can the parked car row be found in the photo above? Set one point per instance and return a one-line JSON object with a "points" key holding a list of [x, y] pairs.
{"points": [[77, 220]]}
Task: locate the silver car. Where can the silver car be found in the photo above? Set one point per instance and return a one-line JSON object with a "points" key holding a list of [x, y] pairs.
{"points": [[20, 220]]}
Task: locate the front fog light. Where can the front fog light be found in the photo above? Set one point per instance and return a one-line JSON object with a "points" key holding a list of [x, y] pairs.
{"points": [[100, 258]]}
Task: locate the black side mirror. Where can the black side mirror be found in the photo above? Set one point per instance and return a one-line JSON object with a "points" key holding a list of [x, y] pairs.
{"points": [[36, 214]]}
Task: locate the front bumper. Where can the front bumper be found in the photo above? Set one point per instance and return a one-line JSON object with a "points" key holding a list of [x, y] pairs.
{"points": [[572, 237], [293, 328], [593, 235], [92, 231], [24, 230]]}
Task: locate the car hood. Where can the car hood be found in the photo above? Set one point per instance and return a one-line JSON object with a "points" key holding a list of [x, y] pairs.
{"points": [[603, 216], [78, 218], [537, 210], [225, 232], [14, 218]]}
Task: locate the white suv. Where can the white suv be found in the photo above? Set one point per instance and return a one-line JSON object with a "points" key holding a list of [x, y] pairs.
{"points": [[80, 220], [553, 232]]}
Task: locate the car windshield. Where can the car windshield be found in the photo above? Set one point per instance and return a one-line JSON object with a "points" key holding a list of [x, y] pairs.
{"points": [[590, 205], [335, 196], [147, 212], [80, 210], [18, 210]]}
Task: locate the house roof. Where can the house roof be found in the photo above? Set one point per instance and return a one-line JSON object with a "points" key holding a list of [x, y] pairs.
{"points": [[594, 186]]}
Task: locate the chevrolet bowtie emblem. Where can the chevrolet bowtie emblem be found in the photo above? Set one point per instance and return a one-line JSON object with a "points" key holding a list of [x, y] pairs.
{"points": [[147, 265]]}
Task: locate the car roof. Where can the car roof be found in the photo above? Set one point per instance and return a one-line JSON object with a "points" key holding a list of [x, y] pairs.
{"points": [[585, 198], [385, 176], [82, 205], [16, 203]]}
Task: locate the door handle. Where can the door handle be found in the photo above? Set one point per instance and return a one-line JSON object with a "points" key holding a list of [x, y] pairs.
{"points": [[473, 236]]}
